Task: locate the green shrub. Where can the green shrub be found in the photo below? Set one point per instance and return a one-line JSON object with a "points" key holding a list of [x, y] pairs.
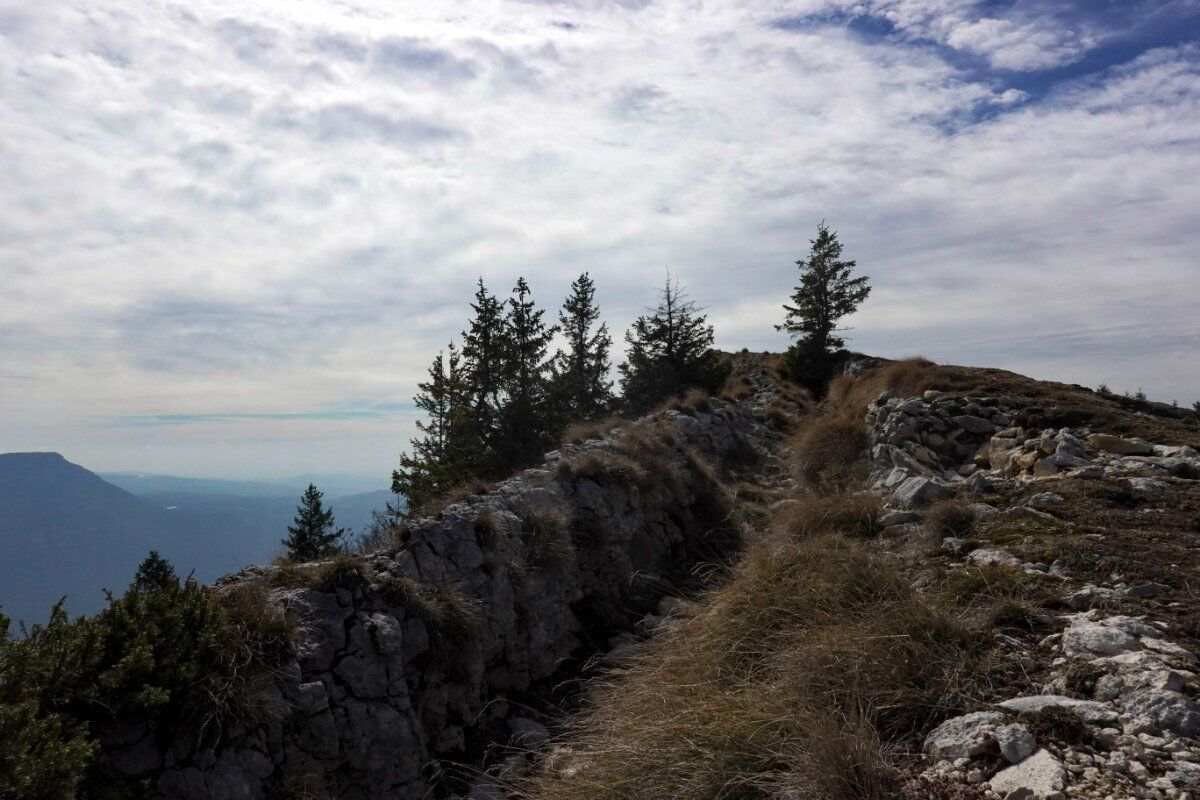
{"points": [[175, 657]]}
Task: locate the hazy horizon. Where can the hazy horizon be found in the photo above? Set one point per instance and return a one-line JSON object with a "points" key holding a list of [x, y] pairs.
{"points": [[237, 233]]}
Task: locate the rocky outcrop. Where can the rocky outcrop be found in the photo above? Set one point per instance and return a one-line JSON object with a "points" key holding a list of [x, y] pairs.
{"points": [[403, 659], [1134, 708]]}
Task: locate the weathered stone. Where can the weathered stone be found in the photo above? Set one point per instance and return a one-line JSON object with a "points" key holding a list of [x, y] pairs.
{"points": [[1097, 639], [1089, 711], [918, 491], [993, 557], [1016, 742], [1092, 597], [973, 424], [1040, 776], [1115, 444], [965, 737]]}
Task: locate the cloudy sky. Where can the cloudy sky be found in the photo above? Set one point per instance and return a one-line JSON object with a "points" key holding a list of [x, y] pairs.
{"points": [[234, 233]]}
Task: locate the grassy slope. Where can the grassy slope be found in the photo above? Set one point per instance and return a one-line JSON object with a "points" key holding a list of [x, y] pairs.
{"points": [[825, 658]]}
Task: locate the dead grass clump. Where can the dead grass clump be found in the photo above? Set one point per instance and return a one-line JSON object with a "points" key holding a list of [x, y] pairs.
{"points": [[578, 432], [450, 616], [736, 388], [547, 535], [249, 610], [650, 446], [739, 700], [828, 453], [602, 467], [488, 528], [845, 760], [907, 378], [854, 515], [779, 416], [435, 506], [977, 586], [694, 401], [949, 518], [385, 533]]}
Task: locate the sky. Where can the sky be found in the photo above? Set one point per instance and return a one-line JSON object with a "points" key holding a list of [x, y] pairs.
{"points": [[234, 234]]}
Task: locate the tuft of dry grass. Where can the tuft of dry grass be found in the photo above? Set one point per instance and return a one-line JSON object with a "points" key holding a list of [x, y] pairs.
{"points": [[435, 506], [450, 616], [602, 467], [828, 452], [736, 388], [779, 416], [854, 515], [740, 700], [694, 401], [949, 518], [547, 535], [579, 432]]}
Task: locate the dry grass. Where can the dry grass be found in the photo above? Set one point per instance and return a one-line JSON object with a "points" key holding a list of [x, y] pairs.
{"points": [[828, 452], [694, 401], [779, 416], [249, 609], [736, 388], [740, 700], [855, 515], [578, 432], [450, 616], [546, 532], [435, 506], [602, 467], [949, 518]]}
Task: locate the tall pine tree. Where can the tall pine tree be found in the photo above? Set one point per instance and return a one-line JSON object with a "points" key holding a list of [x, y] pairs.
{"points": [[826, 293], [444, 455], [524, 426], [485, 352], [312, 534], [670, 351], [581, 389]]}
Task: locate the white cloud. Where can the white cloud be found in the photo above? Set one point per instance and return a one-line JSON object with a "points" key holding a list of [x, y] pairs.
{"points": [[264, 207]]}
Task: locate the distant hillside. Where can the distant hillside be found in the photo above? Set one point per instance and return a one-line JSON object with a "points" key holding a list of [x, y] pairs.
{"points": [[66, 531]]}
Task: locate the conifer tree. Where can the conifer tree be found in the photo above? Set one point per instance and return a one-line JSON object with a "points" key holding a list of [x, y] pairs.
{"points": [[443, 456], [524, 425], [826, 293], [581, 389], [155, 572], [484, 355], [312, 535], [670, 351]]}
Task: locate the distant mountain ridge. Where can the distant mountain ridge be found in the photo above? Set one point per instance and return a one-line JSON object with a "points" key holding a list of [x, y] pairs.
{"points": [[66, 531]]}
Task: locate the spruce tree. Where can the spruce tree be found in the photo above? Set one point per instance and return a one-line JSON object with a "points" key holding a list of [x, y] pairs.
{"points": [[312, 535], [155, 572], [581, 389], [826, 293], [484, 355], [442, 457], [670, 351], [524, 426]]}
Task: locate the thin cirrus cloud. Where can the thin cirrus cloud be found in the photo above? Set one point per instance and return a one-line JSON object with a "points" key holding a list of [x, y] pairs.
{"points": [[235, 234]]}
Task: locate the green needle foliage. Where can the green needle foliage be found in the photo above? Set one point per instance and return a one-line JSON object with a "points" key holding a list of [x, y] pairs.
{"points": [[826, 293], [581, 389], [670, 351], [169, 658], [313, 535]]}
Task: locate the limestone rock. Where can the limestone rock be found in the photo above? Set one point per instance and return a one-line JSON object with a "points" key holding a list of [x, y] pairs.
{"points": [[1040, 776], [1115, 444], [967, 736], [1089, 711], [918, 491]]}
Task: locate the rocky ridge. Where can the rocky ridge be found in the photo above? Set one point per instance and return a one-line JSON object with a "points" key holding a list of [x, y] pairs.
{"points": [[411, 660], [1118, 682]]}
